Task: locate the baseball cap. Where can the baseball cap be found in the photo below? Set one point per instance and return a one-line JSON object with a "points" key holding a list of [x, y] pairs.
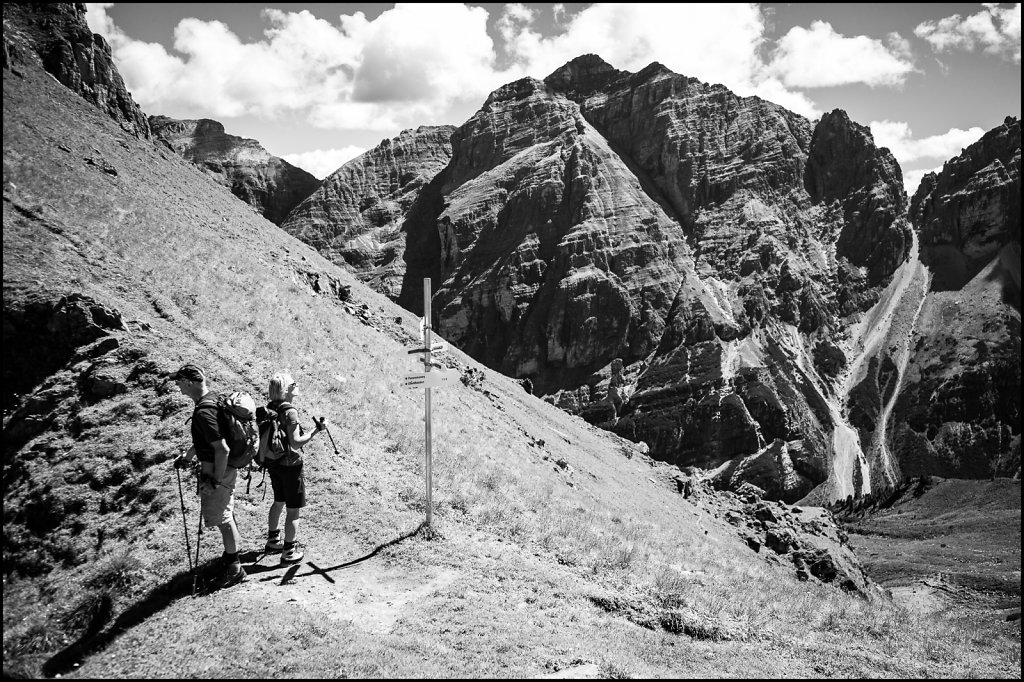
{"points": [[190, 372]]}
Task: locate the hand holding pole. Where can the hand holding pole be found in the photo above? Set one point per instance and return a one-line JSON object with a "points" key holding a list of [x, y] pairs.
{"points": [[322, 426]]}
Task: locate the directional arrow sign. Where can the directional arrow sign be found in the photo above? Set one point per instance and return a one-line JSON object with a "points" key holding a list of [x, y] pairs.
{"points": [[437, 347], [429, 379]]}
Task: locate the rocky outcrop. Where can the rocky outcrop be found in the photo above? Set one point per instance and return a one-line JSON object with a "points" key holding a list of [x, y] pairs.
{"points": [[58, 37], [71, 322], [958, 414], [845, 167], [968, 212], [355, 217], [661, 257], [806, 540], [270, 184]]}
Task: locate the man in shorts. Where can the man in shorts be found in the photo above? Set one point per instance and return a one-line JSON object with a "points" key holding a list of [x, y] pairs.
{"points": [[216, 478]]}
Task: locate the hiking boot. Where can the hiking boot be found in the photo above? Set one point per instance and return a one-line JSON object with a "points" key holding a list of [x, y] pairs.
{"points": [[232, 574], [274, 545], [292, 555]]}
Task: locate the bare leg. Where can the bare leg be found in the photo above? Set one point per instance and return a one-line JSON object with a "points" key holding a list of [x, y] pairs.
{"points": [[274, 517], [229, 533], [291, 523]]}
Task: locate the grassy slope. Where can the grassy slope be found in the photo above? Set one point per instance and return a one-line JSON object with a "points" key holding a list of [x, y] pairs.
{"points": [[536, 567], [963, 534]]}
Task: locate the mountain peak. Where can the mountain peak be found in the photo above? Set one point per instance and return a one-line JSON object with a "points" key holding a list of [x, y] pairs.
{"points": [[583, 74]]}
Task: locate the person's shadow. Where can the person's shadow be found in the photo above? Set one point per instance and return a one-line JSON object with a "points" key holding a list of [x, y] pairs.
{"points": [[293, 573], [96, 638]]}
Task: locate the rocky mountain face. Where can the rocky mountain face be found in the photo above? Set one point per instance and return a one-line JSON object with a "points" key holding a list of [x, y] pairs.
{"points": [[970, 211], [270, 184], [355, 217], [57, 37], [958, 411], [670, 261]]}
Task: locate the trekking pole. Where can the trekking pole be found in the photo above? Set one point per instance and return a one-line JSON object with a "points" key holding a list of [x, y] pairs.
{"points": [[332, 440], [199, 537], [322, 424], [184, 521]]}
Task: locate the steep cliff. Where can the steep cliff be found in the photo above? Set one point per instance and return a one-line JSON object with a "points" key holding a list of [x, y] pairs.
{"points": [[270, 184], [967, 213], [959, 412], [355, 216], [57, 37]]}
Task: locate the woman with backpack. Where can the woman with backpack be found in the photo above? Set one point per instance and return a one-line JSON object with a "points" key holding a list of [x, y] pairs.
{"points": [[286, 469]]}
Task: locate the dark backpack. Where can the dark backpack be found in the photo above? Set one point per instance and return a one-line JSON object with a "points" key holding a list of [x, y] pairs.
{"points": [[236, 416], [274, 443]]}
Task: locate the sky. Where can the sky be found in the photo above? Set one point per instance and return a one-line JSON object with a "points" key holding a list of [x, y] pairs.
{"points": [[318, 84]]}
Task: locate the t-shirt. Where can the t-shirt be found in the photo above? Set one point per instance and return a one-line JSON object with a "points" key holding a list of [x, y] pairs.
{"points": [[206, 427]]}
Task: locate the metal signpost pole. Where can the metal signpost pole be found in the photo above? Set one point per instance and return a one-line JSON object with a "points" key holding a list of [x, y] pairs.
{"points": [[426, 370]]}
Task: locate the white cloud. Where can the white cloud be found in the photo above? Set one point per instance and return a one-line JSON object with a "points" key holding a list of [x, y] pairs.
{"points": [[323, 162], [413, 64], [995, 30], [98, 20], [912, 178], [774, 91], [899, 138], [820, 57], [715, 43], [425, 53], [432, 64]]}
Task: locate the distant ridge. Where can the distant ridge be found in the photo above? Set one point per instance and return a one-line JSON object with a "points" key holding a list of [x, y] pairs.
{"points": [[270, 184]]}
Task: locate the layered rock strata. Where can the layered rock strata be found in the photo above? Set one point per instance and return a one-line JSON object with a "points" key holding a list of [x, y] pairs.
{"points": [[665, 258], [270, 184], [355, 217]]}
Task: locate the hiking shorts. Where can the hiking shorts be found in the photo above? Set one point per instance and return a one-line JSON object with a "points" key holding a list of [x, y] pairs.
{"points": [[289, 486], [219, 506]]}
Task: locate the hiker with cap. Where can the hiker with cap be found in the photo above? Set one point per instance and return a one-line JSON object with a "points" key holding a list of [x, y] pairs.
{"points": [[216, 478], [286, 475]]}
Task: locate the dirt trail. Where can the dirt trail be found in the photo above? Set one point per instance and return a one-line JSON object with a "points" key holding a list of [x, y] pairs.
{"points": [[344, 587]]}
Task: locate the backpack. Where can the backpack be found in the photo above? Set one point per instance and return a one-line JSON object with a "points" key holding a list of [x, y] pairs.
{"points": [[236, 415], [274, 443]]}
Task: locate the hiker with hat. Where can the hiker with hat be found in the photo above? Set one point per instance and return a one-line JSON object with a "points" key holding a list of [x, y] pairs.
{"points": [[216, 478], [285, 469]]}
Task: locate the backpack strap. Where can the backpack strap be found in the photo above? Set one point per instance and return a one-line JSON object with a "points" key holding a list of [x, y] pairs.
{"points": [[204, 402], [208, 400], [282, 409]]}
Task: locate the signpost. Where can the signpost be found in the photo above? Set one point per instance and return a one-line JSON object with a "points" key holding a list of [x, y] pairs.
{"points": [[435, 379], [428, 379], [426, 392], [437, 347]]}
